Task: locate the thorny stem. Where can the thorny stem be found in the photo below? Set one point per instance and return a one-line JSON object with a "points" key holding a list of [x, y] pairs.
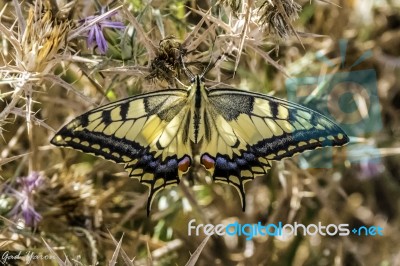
{"points": [[243, 34], [9, 35], [28, 94], [20, 87], [7, 150], [189, 196], [21, 20], [15, 98], [76, 32], [19, 112], [287, 19]]}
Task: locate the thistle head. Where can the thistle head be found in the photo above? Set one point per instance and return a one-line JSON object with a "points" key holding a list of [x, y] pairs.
{"points": [[23, 194], [41, 41]]}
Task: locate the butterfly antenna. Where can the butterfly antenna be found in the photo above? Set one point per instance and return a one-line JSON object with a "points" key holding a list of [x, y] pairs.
{"points": [[186, 70], [221, 56], [211, 65]]}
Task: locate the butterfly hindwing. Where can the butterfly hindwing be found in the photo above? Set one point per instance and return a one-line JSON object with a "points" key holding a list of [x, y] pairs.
{"points": [[251, 129], [145, 133]]}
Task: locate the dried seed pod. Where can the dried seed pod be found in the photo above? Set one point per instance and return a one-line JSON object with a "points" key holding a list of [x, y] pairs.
{"points": [[167, 63]]}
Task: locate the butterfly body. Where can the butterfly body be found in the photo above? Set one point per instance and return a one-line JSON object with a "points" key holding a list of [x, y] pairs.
{"points": [[236, 134]]}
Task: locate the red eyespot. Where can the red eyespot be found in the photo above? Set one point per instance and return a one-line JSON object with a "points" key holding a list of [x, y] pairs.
{"points": [[184, 164], [207, 161]]}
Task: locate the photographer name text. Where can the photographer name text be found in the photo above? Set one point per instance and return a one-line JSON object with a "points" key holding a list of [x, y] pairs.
{"points": [[28, 256]]}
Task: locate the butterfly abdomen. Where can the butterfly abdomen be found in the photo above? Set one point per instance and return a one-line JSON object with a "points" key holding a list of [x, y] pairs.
{"points": [[197, 110]]}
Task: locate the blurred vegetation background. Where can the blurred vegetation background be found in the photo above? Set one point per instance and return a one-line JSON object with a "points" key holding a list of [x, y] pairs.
{"points": [[60, 59]]}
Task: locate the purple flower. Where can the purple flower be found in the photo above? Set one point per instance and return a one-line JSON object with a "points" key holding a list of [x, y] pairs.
{"points": [[24, 196], [95, 30], [370, 168]]}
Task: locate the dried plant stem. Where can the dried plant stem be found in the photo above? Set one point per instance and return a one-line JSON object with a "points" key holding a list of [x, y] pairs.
{"points": [[19, 89], [21, 20], [91, 241], [287, 19], [11, 143], [243, 34], [190, 197], [28, 95], [143, 37]]}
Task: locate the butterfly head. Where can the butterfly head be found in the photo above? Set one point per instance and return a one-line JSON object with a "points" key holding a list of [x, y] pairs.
{"points": [[197, 80]]}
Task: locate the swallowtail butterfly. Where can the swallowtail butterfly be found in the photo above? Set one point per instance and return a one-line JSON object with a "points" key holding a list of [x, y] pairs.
{"points": [[236, 133]]}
